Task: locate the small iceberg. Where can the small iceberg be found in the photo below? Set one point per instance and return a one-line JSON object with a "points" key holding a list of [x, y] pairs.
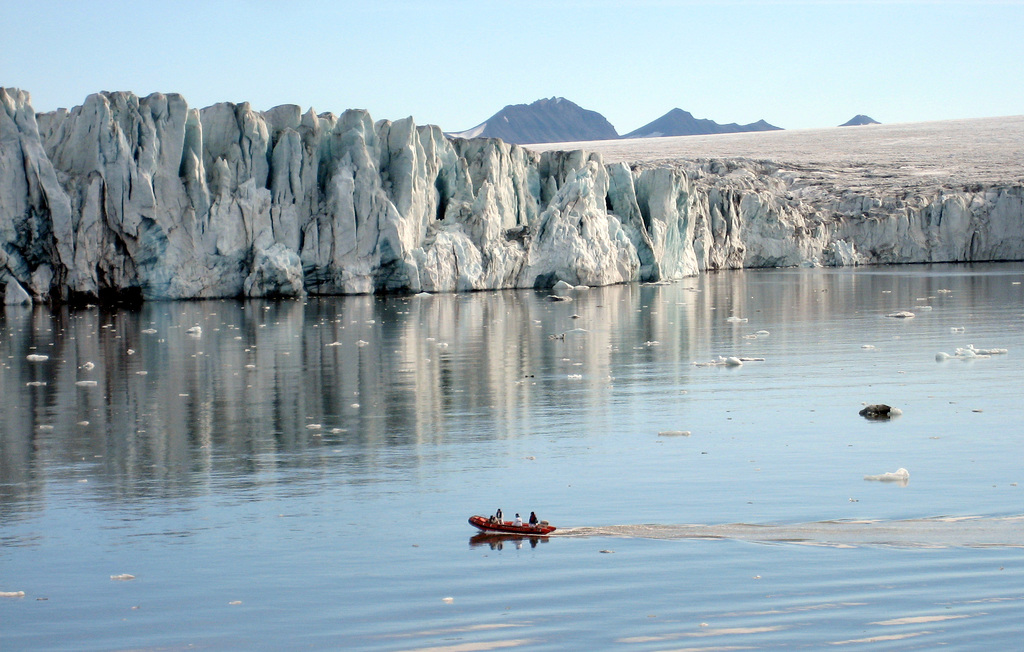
{"points": [[901, 314], [899, 475], [727, 361], [36, 357], [736, 320], [969, 353]]}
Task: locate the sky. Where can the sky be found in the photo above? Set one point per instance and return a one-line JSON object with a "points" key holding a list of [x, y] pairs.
{"points": [[798, 65]]}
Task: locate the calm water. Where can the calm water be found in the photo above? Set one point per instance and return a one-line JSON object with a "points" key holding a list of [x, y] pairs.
{"points": [[298, 474]]}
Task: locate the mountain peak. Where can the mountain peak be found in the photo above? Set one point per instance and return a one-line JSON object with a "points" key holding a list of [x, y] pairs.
{"points": [[859, 120], [547, 120]]}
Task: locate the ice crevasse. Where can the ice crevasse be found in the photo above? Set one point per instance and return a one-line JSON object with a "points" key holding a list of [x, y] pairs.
{"points": [[149, 196]]}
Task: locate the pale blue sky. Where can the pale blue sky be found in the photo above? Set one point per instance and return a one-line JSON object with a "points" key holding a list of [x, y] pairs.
{"points": [[795, 64]]}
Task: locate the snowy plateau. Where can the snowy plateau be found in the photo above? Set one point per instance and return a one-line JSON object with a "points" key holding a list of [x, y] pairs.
{"points": [[149, 197]]}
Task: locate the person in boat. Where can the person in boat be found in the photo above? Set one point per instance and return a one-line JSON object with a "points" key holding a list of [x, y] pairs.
{"points": [[497, 516], [533, 519], [519, 521]]}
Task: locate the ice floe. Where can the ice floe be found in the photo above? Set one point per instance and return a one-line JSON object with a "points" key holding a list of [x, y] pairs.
{"points": [[901, 314], [969, 353], [727, 361], [899, 475]]}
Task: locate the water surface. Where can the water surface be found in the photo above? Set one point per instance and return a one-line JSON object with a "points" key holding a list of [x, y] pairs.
{"points": [[298, 474]]}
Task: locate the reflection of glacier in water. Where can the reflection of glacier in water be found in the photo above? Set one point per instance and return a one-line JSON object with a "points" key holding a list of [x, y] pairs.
{"points": [[935, 532]]}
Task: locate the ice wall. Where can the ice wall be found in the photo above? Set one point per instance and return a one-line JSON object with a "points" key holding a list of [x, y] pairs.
{"points": [[151, 197]]}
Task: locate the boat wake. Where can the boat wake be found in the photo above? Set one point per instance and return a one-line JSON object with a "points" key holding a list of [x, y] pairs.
{"points": [[934, 532]]}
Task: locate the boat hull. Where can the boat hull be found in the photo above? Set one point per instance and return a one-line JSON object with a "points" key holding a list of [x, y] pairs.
{"points": [[484, 524]]}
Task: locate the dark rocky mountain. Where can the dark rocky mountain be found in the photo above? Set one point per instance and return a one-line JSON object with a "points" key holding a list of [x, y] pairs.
{"points": [[859, 120], [682, 123], [554, 120]]}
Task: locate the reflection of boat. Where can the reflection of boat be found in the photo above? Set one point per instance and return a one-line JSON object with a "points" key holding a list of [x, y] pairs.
{"points": [[497, 540], [508, 527]]}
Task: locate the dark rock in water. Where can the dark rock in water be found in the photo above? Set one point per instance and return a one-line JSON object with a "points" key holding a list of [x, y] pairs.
{"points": [[879, 411]]}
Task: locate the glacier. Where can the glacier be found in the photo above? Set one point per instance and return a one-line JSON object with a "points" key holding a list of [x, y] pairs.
{"points": [[128, 196]]}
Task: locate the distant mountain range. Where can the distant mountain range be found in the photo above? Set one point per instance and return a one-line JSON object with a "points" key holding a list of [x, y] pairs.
{"points": [[859, 120], [557, 120], [682, 123]]}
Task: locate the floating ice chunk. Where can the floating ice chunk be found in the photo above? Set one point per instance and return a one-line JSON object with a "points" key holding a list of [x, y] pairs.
{"points": [[335, 343], [575, 376], [869, 347], [924, 308], [901, 314], [313, 426], [942, 356], [674, 433], [730, 361], [562, 286], [957, 329], [362, 343], [449, 600], [987, 351], [762, 333], [944, 291], [558, 297], [37, 357], [12, 594], [123, 577], [83, 423], [195, 331], [652, 343], [899, 475], [736, 320], [422, 294], [149, 331], [581, 288], [88, 366], [36, 383], [86, 383]]}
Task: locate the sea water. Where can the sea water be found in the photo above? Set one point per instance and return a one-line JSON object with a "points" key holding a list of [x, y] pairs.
{"points": [[298, 474]]}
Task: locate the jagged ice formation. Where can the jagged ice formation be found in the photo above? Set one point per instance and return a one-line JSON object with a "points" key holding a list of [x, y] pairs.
{"points": [[149, 196]]}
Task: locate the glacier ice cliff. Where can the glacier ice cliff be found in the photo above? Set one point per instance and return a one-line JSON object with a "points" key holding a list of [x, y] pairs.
{"points": [[151, 198]]}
